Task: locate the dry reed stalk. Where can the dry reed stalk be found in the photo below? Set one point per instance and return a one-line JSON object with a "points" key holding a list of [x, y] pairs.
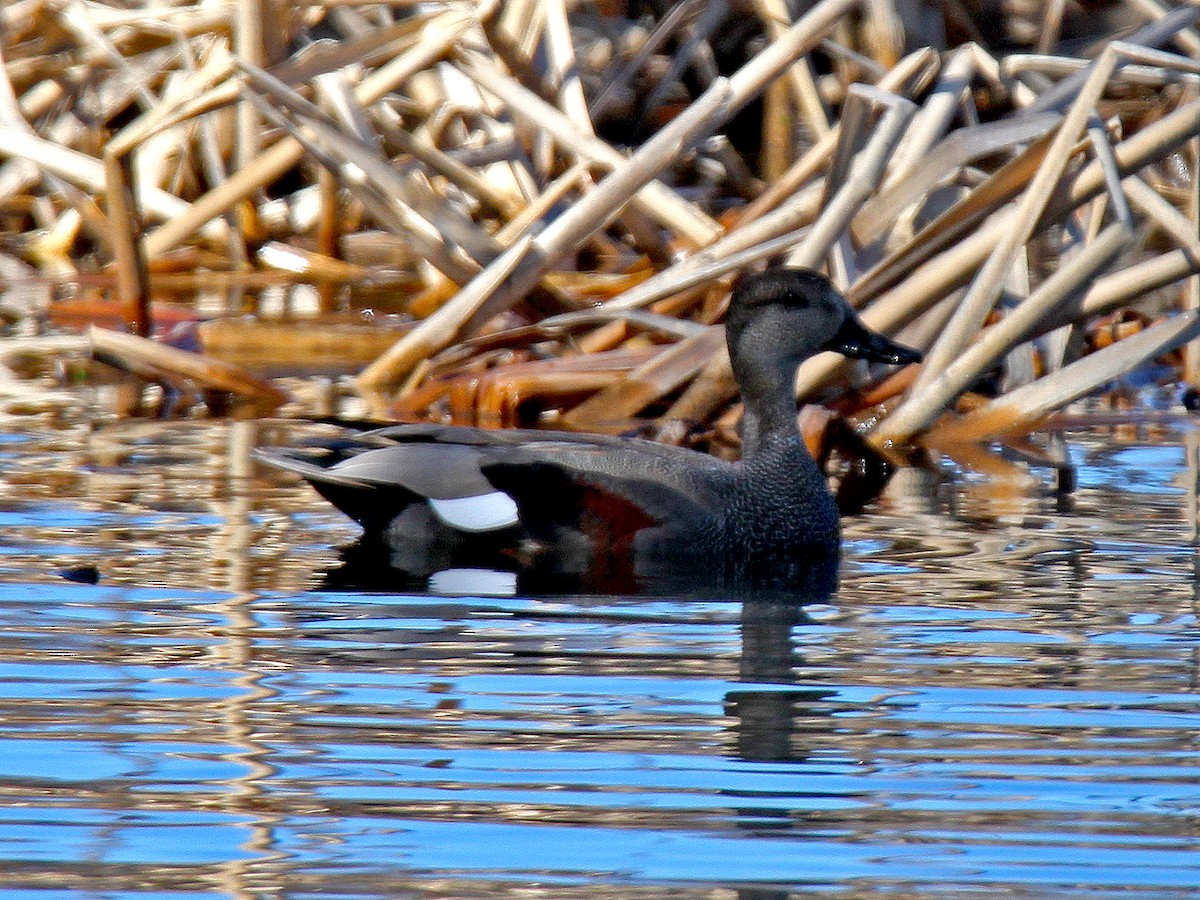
{"points": [[704, 268], [501, 393], [437, 37], [249, 46], [1052, 17], [455, 246], [886, 31], [1186, 37], [767, 234], [956, 221], [440, 329], [986, 286], [1131, 76], [487, 294], [22, 173], [755, 236], [777, 133], [665, 28], [712, 388], [87, 172], [1161, 213], [864, 176], [323, 343], [505, 204], [1191, 297], [1070, 280], [456, 101], [562, 326], [1019, 409], [125, 226], [383, 191], [309, 265], [1115, 190], [907, 74], [75, 17], [654, 199], [715, 106], [554, 194], [694, 52], [800, 80], [749, 81], [609, 410], [563, 69], [913, 416], [1153, 35], [930, 123], [941, 274], [329, 231], [486, 163], [958, 150], [1118, 289], [156, 360]]}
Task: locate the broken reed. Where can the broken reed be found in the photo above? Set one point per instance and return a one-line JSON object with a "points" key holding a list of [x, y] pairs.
{"points": [[571, 208]]}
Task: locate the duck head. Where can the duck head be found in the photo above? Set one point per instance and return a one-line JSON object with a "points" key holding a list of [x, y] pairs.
{"points": [[779, 318], [791, 314]]}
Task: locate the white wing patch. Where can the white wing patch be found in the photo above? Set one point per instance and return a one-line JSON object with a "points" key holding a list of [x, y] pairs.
{"points": [[483, 512], [473, 583]]}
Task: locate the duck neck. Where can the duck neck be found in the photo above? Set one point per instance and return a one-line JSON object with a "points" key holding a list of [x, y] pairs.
{"points": [[769, 419]]}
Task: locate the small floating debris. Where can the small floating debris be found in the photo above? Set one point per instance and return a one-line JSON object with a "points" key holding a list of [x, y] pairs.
{"points": [[511, 213], [81, 574]]}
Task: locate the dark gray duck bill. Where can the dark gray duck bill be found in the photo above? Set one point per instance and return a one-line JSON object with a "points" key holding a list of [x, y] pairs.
{"points": [[855, 340]]}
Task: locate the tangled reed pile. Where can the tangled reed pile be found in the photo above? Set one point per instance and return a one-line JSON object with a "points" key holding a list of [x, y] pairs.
{"points": [[553, 197]]}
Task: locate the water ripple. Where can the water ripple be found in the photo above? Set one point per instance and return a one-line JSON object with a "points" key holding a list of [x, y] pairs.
{"points": [[992, 704]]}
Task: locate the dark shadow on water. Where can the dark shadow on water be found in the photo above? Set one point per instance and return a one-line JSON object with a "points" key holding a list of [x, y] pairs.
{"points": [[372, 565], [765, 716], [773, 718]]}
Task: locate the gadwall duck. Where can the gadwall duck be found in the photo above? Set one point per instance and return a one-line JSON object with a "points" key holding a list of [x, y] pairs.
{"points": [[436, 494]]}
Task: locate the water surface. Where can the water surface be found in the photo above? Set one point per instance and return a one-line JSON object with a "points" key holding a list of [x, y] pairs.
{"points": [[1001, 700]]}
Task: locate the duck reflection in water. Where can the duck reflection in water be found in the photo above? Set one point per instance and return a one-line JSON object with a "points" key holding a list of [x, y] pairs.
{"points": [[598, 510], [774, 715]]}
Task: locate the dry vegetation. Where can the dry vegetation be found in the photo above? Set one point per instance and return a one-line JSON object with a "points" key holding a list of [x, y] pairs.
{"points": [[544, 203]]}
